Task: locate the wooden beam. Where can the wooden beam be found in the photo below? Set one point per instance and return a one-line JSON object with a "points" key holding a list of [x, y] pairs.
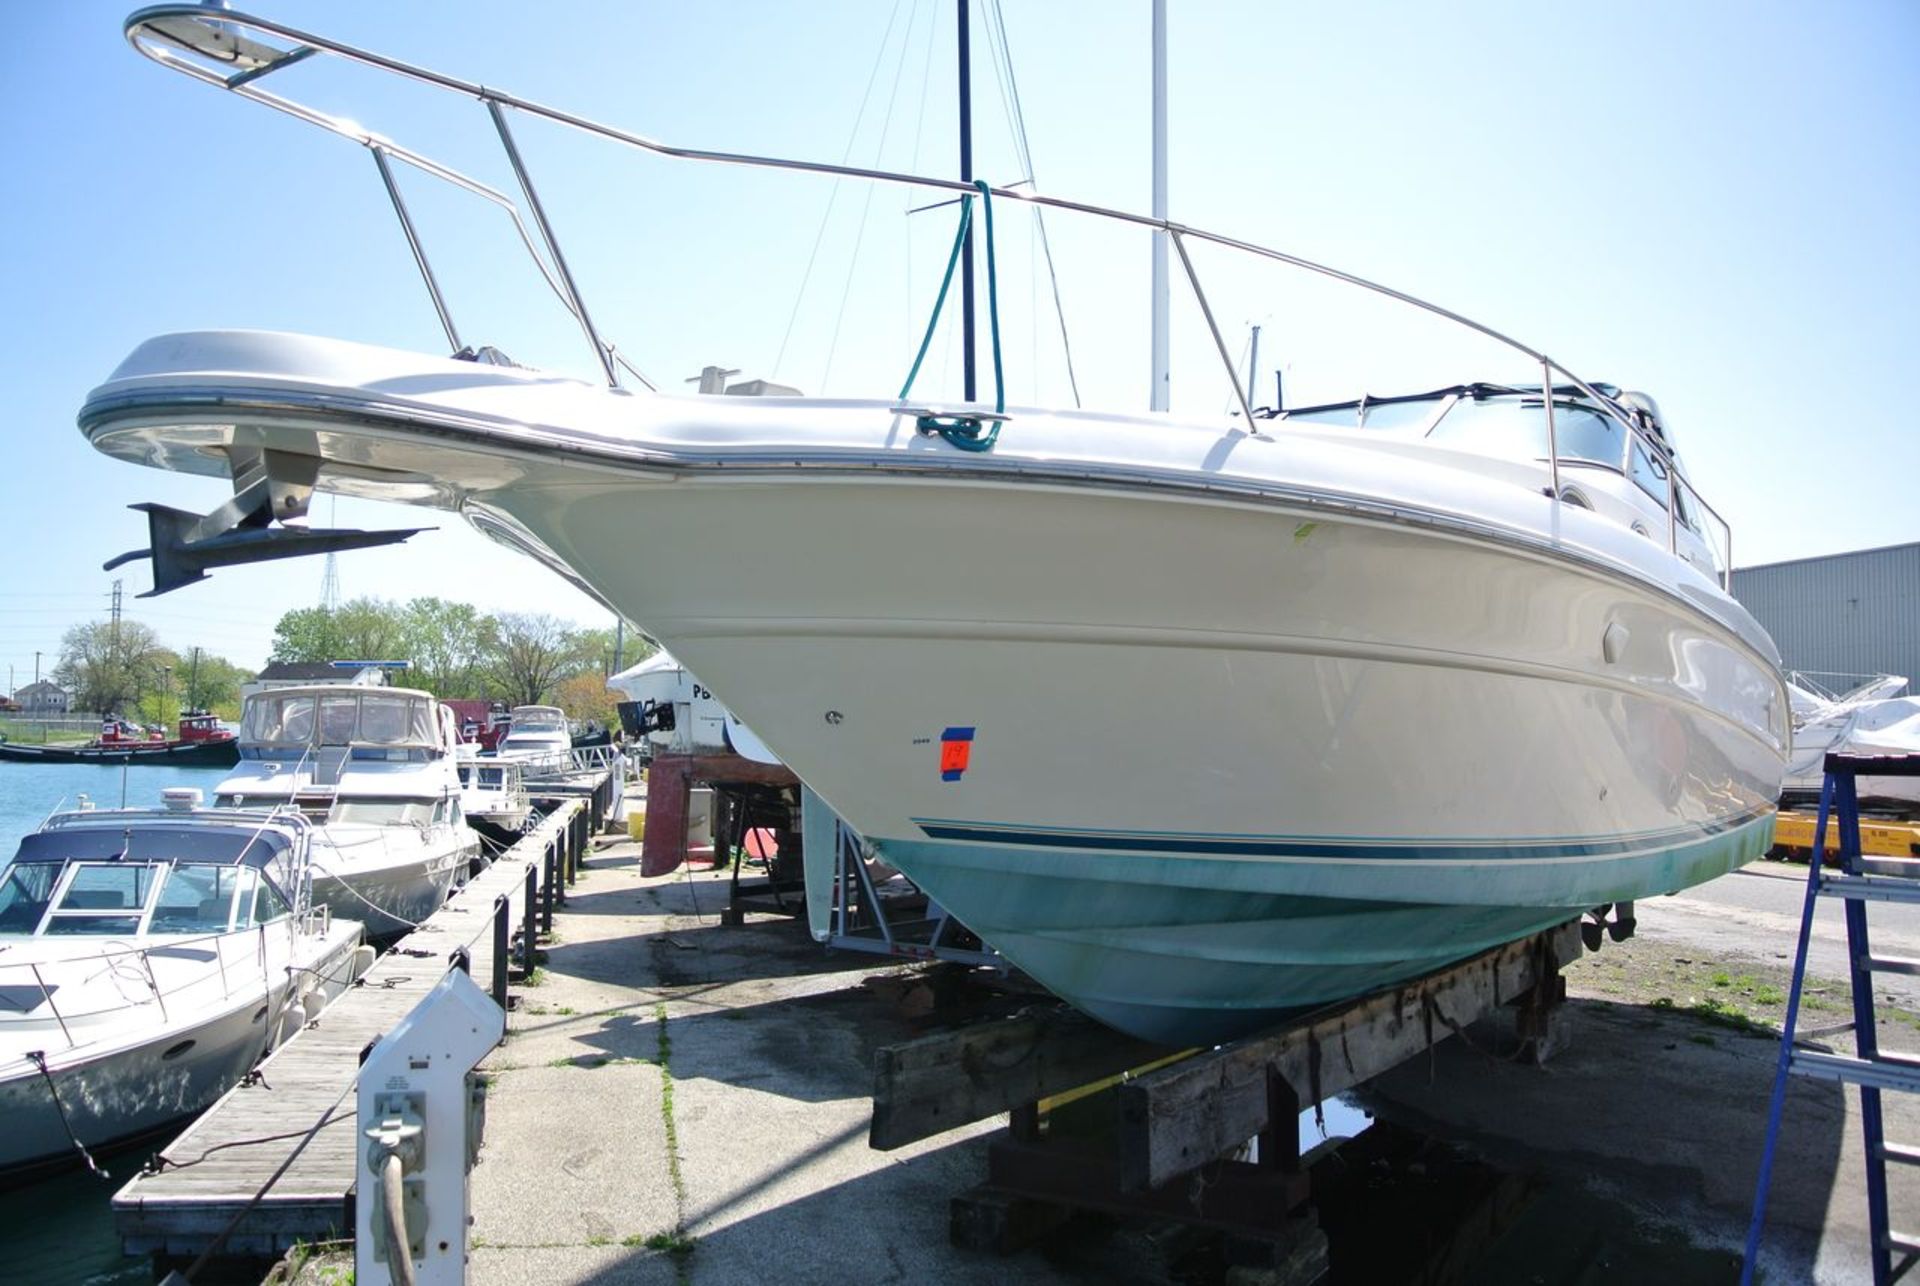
{"points": [[1187, 1114], [949, 1079]]}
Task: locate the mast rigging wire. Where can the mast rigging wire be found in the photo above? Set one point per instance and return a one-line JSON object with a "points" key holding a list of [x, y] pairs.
{"points": [[1005, 51], [846, 155]]}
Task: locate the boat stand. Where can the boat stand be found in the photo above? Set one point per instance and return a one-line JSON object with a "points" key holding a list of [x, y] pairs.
{"points": [[740, 808], [1104, 1122], [908, 925]]}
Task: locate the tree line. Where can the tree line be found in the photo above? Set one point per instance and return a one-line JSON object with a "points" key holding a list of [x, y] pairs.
{"points": [[122, 667], [521, 658]]}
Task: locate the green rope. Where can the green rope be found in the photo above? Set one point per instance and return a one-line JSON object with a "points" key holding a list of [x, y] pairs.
{"points": [[967, 432]]}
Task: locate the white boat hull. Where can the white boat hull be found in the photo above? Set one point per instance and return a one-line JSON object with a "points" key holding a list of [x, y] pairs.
{"points": [[128, 1084], [1215, 694], [390, 879]]}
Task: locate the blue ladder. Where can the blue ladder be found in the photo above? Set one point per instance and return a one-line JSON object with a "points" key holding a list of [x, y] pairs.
{"points": [[1860, 880]]}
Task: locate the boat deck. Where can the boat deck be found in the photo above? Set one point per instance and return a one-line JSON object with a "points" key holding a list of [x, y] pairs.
{"points": [[227, 1159]]}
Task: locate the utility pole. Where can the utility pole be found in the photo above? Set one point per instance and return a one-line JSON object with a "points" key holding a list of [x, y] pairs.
{"points": [[36, 667], [116, 615], [193, 680], [619, 643]]}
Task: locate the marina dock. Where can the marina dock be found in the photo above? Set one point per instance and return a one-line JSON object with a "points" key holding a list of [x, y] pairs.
{"points": [[272, 1162]]}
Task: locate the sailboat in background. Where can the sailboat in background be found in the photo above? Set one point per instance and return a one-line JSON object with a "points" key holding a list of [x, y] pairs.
{"points": [[1195, 720]]}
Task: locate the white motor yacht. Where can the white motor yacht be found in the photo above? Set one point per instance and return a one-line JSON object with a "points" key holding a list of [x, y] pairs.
{"points": [[678, 715], [1197, 720], [492, 795], [148, 958], [538, 738], [375, 767]]}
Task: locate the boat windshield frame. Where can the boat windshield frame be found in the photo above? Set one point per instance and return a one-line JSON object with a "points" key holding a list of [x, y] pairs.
{"points": [[236, 52]]}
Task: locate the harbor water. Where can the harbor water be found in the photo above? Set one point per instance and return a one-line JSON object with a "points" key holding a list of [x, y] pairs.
{"points": [[59, 1230]]}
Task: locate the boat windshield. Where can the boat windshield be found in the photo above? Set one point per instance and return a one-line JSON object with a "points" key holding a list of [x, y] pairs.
{"points": [[346, 717], [1517, 429], [539, 719], [117, 898]]}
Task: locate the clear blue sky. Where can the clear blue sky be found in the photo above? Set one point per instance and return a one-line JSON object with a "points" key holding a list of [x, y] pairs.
{"points": [[1715, 202]]}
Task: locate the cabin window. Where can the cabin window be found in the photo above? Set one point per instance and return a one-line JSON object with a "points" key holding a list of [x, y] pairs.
{"points": [[382, 812], [195, 899], [396, 720], [279, 720], [337, 716], [24, 895]]}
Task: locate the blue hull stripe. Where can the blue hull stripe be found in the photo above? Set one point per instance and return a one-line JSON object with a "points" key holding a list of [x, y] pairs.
{"points": [[1310, 847]]}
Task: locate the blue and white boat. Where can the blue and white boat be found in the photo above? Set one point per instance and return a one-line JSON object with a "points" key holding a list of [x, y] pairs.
{"points": [[1196, 720], [148, 959]]}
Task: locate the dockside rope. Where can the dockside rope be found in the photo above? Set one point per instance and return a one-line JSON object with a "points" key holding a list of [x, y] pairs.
{"points": [[39, 1060], [967, 432]]}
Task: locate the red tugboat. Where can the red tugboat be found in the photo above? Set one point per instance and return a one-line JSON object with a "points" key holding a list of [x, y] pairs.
{"points": [[202, 743]]}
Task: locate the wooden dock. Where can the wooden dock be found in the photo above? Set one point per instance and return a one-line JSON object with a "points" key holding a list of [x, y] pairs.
{"points": [[215, 1173]]}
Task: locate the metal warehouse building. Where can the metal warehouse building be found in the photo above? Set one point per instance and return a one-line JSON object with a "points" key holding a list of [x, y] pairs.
{"points": [[1850, 614]]}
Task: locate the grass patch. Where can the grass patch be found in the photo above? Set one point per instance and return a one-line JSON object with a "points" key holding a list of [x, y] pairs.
{"points": [[677, 1244], [1721, 978], [1702, 1038], [1769, 995], [673, 1241], [1721, 1014], [535, 977]]}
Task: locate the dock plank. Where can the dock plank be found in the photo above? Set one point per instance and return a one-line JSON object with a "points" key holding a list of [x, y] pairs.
{"points": [[222, 1160]]}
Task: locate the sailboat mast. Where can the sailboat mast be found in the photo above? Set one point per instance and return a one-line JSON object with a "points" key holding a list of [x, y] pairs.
{"points": [[966, 176], [1160, 374]]}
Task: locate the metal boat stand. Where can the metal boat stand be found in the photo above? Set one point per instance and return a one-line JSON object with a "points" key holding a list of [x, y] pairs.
{"points": [[739, 808], [1103, 1122], [908, 926]]}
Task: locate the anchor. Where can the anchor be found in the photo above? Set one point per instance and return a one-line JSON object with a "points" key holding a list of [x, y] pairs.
{"points": [[268, 486]]}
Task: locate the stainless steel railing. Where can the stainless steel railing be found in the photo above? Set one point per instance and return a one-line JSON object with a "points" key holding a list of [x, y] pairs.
{"points": [[217, 47]]}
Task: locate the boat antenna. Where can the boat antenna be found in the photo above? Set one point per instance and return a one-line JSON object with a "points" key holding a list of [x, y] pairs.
{"points": [[52, 813], [1159, 379], [968, 373]]}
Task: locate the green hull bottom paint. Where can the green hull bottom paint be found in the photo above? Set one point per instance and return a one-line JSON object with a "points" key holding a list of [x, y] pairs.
{"points": [[1187, 951]]}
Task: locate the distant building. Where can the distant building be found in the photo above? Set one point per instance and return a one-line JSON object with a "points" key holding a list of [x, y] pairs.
{"points": [[1848, 615], [43, 697]]}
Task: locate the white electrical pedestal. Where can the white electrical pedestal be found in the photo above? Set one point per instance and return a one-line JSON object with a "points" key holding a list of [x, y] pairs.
{"points": [[421, 1112]]}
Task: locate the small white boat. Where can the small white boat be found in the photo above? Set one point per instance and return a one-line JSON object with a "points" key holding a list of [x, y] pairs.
{"points": [[376, 767], [537, 736], [148, 958], [492, 795]]}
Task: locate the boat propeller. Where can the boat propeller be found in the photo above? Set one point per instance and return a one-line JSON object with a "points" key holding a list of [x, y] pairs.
{"points": [[268, 485]]}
